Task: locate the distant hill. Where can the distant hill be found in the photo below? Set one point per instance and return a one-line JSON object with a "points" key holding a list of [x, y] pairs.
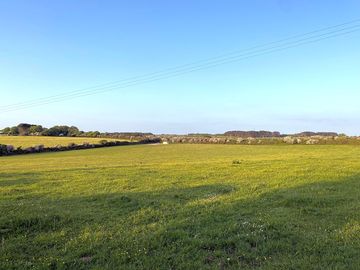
{"points": [[310, 133], [272, 134]]}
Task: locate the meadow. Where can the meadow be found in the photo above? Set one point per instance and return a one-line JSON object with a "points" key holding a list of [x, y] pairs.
{"points": [[47, 141], [182, 206]]}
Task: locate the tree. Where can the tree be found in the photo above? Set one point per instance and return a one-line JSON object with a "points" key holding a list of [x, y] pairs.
{"points": [[14, 131], [36, 129], [56, 131], [73, 131], [92, 134], [6, 130], [61, 131], [23, 129]]}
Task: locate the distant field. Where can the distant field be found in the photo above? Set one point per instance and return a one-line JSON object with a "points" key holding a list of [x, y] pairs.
{"points": [[27, 141], [182, 207]]}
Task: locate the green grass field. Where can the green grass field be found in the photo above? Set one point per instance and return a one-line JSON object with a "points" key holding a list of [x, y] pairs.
{"points": [[47, 141], [182, 207]]}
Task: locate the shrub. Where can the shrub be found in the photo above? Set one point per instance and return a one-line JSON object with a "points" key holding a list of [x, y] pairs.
{"points": [[29, 150], [312, 141], [39, 148], [240, 140], [6, 149], [103, 142], [72, 145], [3, 150], [9, 148]]}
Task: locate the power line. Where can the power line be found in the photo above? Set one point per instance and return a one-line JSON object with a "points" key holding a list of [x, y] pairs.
{"points": [[176, 69], [61, 98], [287, 43], [154, 73]]}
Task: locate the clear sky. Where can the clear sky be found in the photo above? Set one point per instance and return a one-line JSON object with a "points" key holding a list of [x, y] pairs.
{"points": [[51, 47]]}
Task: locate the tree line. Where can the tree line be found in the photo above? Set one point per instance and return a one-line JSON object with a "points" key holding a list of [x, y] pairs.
{"points": [[24, 129]]}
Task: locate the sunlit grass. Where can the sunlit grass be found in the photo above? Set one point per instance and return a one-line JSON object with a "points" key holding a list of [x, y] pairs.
{"points": [[182, 207], [47, 141]]}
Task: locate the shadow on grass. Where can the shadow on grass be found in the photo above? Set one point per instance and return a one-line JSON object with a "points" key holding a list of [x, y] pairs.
{"points": [[204, 227], [14, 179]]}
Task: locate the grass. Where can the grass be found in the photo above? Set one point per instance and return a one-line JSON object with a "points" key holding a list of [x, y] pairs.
{"points": [[182, 207], [47, 141]]}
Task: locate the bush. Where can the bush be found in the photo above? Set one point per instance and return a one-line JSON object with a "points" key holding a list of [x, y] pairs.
{"points": [[3, 150], [103, 142], [72, 145], [29, 150], [6, 149], [9, 148], [39, 148]]}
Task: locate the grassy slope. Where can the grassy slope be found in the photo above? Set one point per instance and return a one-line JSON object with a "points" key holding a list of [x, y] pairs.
{"points": [[182, 207], [27, 141]]}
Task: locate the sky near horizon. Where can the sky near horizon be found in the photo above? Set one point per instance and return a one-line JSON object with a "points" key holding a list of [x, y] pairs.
{"points": [[51, 47]]}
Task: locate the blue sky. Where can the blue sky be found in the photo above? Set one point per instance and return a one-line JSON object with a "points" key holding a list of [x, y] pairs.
{"points": [[51, 47]]}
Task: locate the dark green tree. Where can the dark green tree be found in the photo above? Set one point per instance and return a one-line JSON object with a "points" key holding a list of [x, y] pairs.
{"points": [[73, 131], [23, 129], [14, 131], [6, 130], [36, 129]]}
